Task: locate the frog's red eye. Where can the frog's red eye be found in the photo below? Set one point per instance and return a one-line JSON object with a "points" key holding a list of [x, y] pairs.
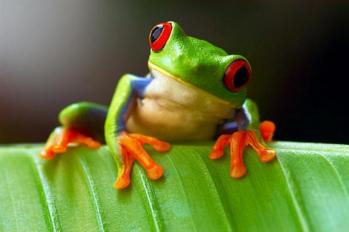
{"points": [[237, 75], [159, 35]]}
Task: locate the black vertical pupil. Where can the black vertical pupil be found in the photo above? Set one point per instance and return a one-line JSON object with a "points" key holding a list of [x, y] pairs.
{"points": [[241, 77], [155, 33]]}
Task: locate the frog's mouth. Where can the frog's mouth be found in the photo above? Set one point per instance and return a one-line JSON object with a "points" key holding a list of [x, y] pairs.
{"points": [[157, 72]]}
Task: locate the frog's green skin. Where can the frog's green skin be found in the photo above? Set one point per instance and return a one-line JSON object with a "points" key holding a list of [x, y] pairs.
{"points": [[183, 98]]}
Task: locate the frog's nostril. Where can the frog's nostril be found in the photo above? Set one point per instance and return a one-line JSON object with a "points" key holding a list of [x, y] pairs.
{"points": [[237, 75]]}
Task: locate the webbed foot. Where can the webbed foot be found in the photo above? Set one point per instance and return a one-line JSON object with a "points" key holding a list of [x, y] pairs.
{"points": [[61, 138], [237, 143], [131, 147]]}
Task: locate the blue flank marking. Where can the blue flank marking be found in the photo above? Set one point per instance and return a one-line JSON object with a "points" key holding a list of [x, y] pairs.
{"points": [[230, 127], [243, 119], [138, 86], [241, 122]]}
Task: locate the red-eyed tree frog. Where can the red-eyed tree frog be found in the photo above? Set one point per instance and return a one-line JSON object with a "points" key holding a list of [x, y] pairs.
{"points": [[194, 91]]}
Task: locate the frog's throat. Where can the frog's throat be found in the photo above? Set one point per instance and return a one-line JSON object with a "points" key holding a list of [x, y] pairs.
{"points": [[164, 72]]}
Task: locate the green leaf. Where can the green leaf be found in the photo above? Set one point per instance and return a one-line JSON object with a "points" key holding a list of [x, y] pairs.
{"points": [[306, 189]]}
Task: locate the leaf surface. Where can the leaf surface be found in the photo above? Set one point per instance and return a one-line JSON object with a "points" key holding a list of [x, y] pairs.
{"points": [[305, 189]]}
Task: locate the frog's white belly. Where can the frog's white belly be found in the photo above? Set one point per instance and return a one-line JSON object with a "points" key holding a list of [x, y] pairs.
{"points": [[173, 111]]}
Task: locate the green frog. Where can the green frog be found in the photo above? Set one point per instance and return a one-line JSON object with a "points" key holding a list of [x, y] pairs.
{"points": [[194, 91]]}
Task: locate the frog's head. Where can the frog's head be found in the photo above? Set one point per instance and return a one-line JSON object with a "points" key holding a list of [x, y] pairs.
{"points": [[198, 63]]}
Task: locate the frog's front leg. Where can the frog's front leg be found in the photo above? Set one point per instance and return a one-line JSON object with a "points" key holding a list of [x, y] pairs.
{"points": [[251, 133], [131, 148], [130, 145]]}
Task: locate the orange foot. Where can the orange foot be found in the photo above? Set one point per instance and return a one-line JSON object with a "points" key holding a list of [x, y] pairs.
{"points": [[238, 141], [131, 147], [62, 137]]}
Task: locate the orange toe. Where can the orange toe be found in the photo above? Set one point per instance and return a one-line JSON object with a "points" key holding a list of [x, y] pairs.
{"points": [[267, 155], [59, 149], [162, 147], [155, 172], [218, 148], [122, 182], [47, 154], [267, 129], [216, 154], [238, 143], [158, 145], [238, 171]]}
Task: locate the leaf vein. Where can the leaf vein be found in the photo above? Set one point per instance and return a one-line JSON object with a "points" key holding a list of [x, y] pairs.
{"points": [[290, 185], [330, 163], [47, 196], [210, 179], [151, 201], [182, 187], [93, 192]]}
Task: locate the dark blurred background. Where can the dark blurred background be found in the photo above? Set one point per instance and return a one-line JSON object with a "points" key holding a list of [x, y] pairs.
{"points": [[53, 53]]}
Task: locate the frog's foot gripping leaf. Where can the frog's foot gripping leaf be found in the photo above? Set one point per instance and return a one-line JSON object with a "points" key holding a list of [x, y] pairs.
{"points": [[131, 147], [237, 143], [61, 138]]}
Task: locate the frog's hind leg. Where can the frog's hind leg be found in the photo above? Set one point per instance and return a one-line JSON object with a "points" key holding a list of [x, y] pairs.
{"points": [[82, 123], [62, 137]]}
